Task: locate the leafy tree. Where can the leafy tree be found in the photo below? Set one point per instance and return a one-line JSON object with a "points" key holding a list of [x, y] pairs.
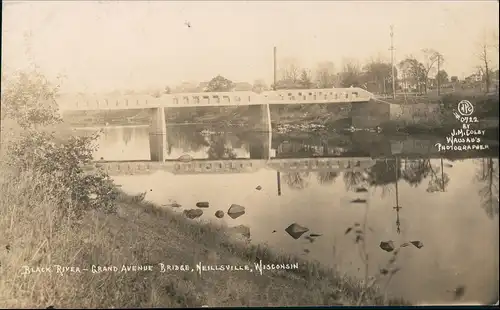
{"points": [[454, 79], [219, 84], [351, 75], [380, 74], [414, 73], [442, 77], [30, 99]]}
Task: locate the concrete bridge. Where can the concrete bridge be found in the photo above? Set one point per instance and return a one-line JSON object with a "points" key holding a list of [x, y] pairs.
{"points": [[259, 103], [213, 99], [235, 166]]}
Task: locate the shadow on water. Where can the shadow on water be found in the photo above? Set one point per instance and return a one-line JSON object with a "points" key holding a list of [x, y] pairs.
{"points": [[411, 193]]}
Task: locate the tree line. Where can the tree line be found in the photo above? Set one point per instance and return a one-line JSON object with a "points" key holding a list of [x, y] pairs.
{"points": [[414, 73]]}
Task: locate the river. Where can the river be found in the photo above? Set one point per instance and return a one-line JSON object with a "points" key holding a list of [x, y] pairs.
{"points": [[450, 205]]}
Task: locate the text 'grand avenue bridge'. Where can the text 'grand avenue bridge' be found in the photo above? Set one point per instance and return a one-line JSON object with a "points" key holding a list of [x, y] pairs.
{"points": [[258, 105]]}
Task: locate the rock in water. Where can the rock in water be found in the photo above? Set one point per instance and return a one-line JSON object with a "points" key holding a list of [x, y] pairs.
{"points": [[235, 211], [258, 188], [193, 213], [185, 158], [295, 230], [387, 246], [417, 244], [203, 204], [241, 229], [219, 214]]}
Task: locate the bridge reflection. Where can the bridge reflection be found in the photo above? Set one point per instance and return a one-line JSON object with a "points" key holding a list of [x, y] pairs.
{"points": [[235, 166]]}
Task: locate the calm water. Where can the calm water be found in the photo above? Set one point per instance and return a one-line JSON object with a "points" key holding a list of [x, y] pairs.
{"points": [[449, 205]]}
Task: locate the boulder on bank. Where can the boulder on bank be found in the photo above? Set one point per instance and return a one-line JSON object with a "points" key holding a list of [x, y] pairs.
{"points": [[193, 213]]}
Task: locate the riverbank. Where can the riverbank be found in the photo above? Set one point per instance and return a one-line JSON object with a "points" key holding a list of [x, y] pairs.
{"points": [[34, 233], [141, 233]]}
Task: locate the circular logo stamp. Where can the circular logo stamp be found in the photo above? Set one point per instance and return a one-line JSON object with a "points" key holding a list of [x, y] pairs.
{"points": [[465, 108]]}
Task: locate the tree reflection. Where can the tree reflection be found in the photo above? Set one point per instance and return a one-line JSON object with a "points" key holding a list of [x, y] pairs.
{"points": [[438, 179], [296, 180], [326, 177], [388, 171], [415, 171], [127, 134], [352, 179], [186, 139], [384, 172], [487, 176], [218, 148]]}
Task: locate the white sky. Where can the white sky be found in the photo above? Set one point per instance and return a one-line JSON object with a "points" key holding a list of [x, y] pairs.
{"points": [[141, 44]]}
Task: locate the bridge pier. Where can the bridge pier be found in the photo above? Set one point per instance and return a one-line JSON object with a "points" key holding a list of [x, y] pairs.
{"points": [[262, 116], [158, 135], [260, 148]]}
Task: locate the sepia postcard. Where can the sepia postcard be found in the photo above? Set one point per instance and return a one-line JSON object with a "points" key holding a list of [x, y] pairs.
{"points": [[186, 154]]}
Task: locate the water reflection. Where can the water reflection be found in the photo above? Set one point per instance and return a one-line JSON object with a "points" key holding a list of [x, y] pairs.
{"points": [[487, 177], [412, 193]]}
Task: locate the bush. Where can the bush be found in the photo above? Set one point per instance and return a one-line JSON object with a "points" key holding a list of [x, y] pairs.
{"points": [[30, 99], [65, 163]]}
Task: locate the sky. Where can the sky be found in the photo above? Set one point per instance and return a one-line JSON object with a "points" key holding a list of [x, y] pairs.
{"points": [[105, 46]]}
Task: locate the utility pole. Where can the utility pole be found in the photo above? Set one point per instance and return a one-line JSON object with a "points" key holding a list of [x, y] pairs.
{"points": [[278, 174], [437, 75], [392, 63], [274, 68]]}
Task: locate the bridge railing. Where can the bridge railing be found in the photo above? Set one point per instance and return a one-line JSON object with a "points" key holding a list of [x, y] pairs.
{"points": [[244, 98], [317, 95]]}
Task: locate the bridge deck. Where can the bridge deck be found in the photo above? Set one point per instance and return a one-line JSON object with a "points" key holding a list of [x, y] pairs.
{"points": [[209, 99]]}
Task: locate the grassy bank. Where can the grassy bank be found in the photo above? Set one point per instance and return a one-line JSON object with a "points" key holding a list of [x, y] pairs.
{"points": [[38, 229], [34, 234]]}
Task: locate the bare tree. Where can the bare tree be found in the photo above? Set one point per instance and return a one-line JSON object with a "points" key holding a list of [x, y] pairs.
{"points": [[486, 56], [485, 65], [290, 70], [431, 59], [325, 75]]}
